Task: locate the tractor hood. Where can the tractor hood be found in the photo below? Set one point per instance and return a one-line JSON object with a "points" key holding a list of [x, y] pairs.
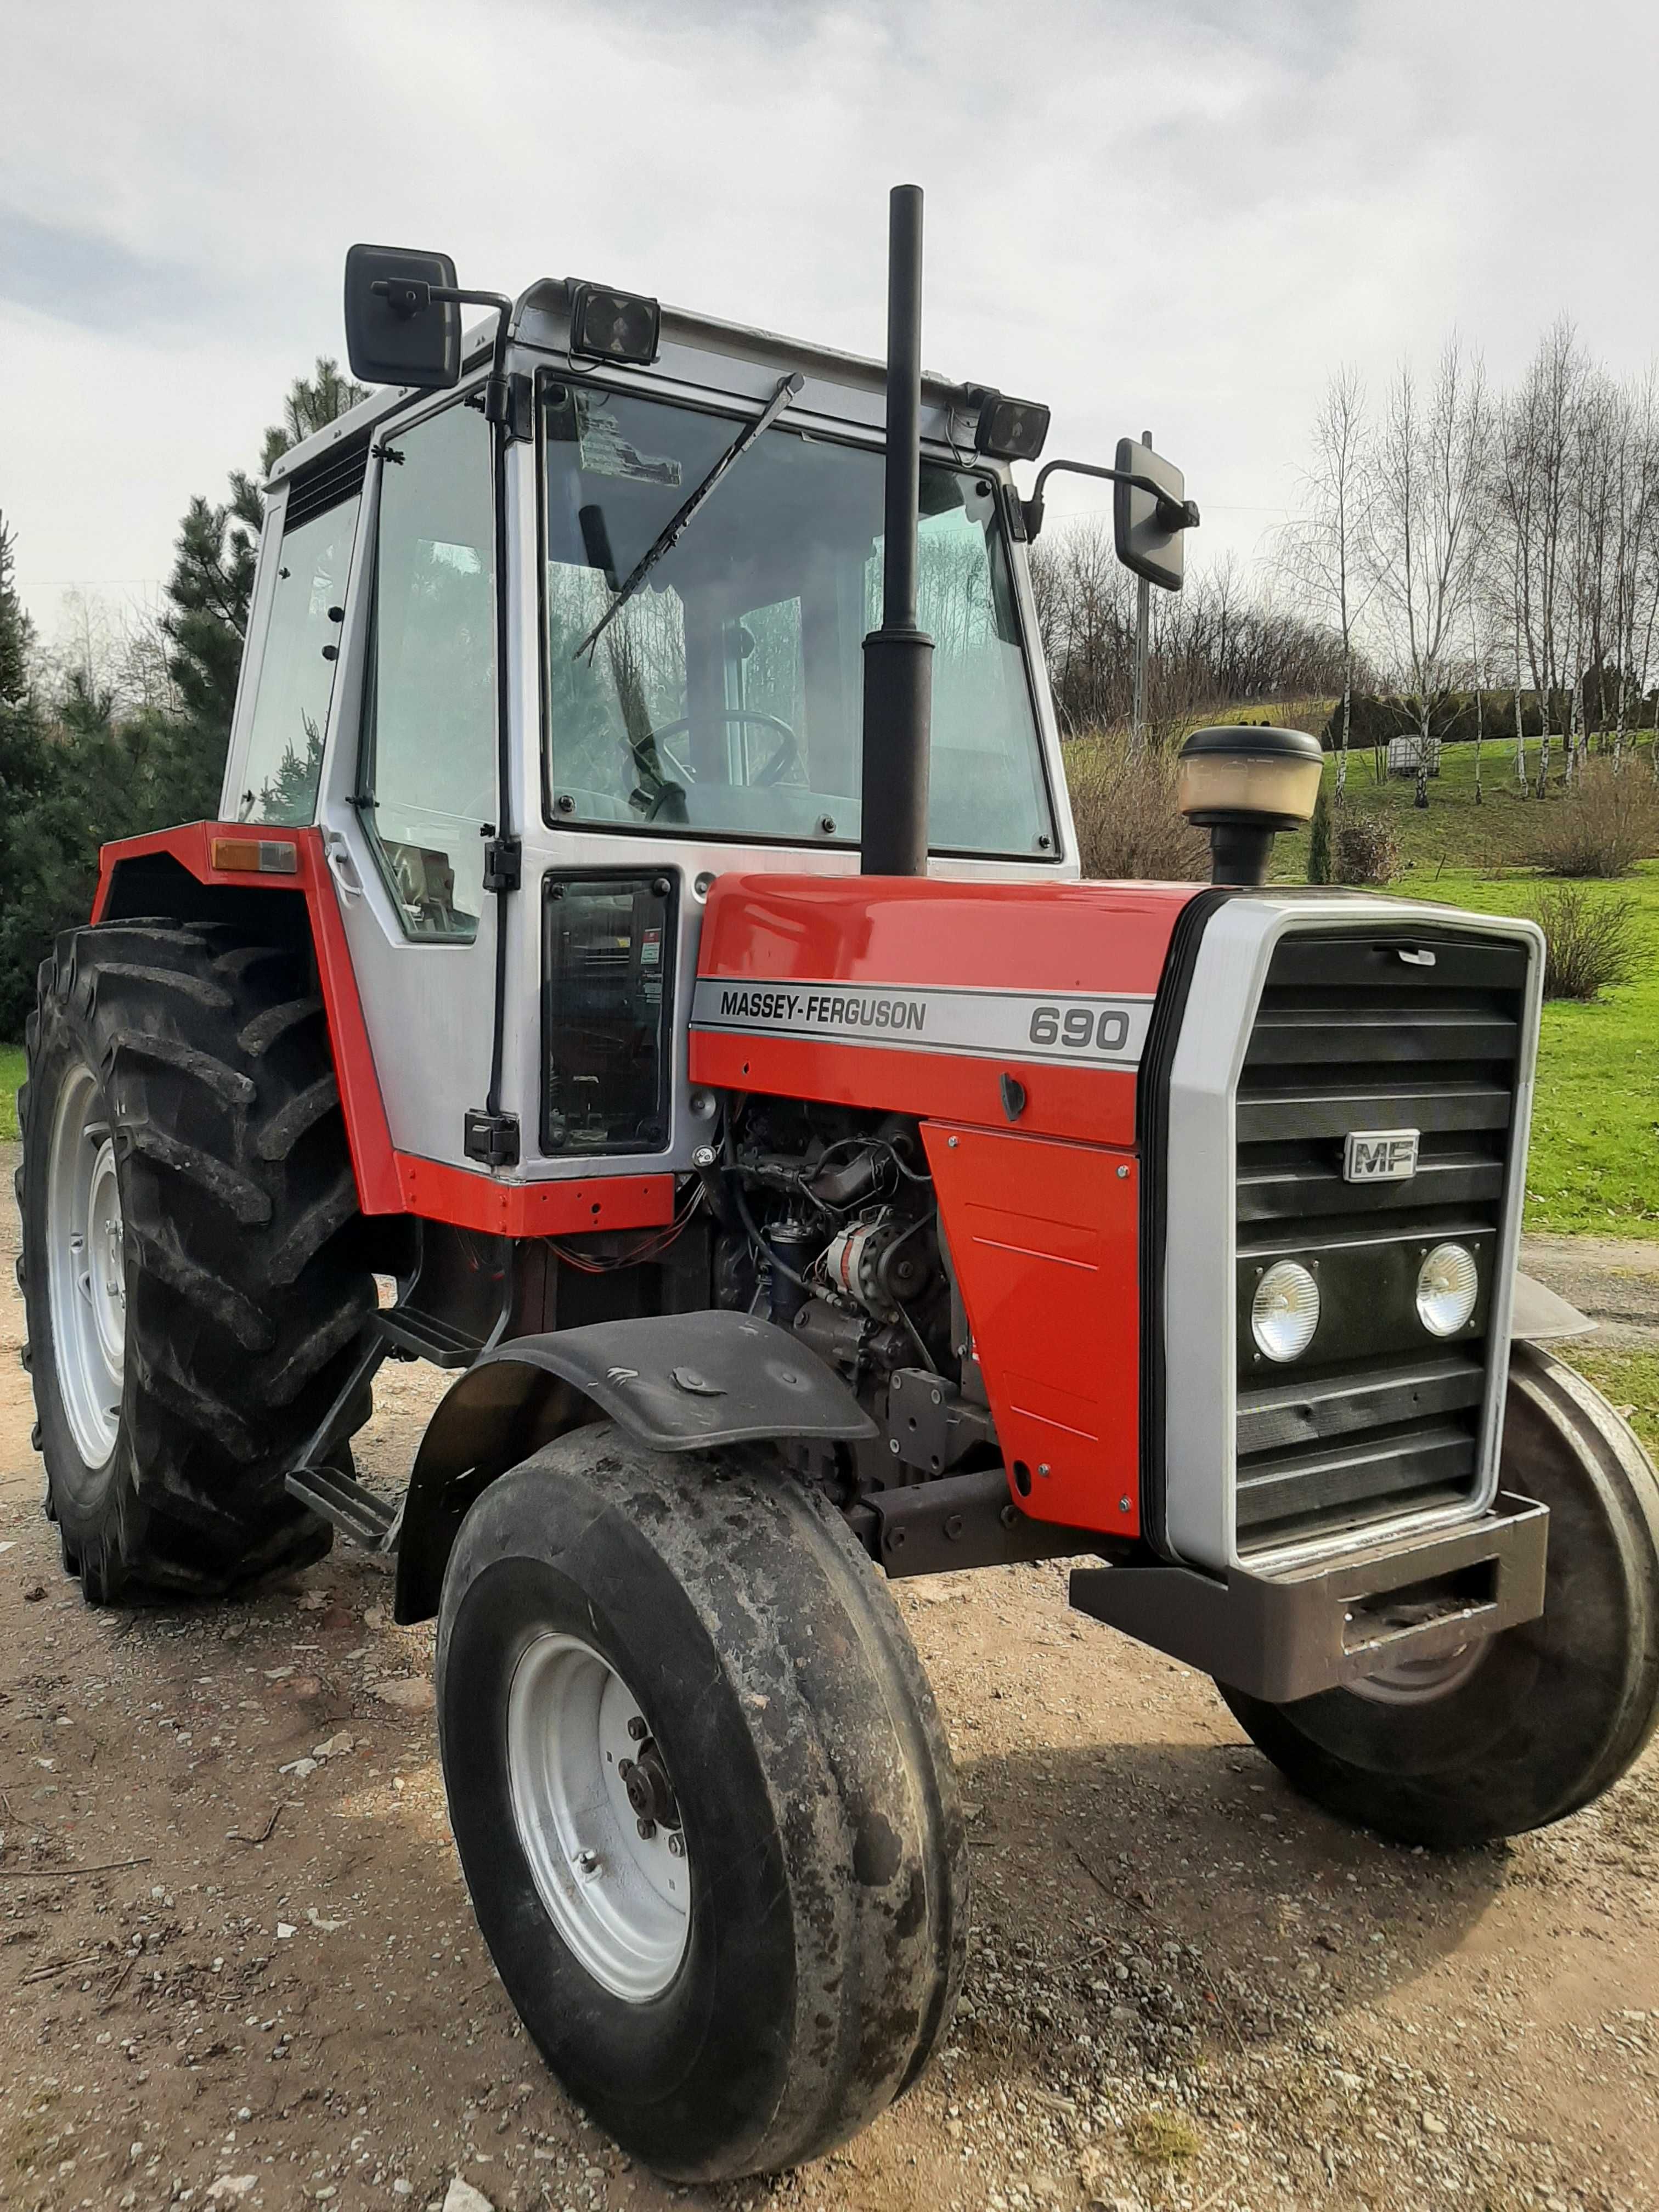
{"points": [[985, 1001]]}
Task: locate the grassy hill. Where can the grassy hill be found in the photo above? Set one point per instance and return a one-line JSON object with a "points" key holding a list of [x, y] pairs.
{"points": [[1456, 830]]}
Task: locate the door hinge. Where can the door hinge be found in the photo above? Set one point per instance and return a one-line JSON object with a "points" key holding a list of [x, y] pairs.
{"points": [[503, 865], [492, 1138], [510, 401]]}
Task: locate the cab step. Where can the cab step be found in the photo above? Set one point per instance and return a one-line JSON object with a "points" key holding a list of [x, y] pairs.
{"points": [[356, 1511], [427, 1336]]}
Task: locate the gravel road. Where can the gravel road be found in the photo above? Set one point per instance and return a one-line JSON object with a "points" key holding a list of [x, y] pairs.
{"points": [[1614, 1279], [237, 1965]]}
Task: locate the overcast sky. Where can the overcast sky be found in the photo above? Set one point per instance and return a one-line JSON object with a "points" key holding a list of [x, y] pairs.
{"points": [[1172, 214]]}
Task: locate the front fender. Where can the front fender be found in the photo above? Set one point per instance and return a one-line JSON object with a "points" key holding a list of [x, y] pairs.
{"points": [[1540, 1316], [688, 1382]]}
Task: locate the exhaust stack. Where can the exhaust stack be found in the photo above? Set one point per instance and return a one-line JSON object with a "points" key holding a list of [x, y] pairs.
{"points": [[898, 657]]}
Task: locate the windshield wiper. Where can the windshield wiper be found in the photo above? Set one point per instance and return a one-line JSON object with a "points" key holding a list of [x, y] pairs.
{"points": [[670, 533]]}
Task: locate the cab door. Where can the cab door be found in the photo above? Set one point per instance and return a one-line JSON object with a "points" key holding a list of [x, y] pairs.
{"points": [[406, 826]]}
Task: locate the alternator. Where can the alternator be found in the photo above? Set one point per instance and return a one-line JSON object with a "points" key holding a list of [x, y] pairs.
{"points": [[877, 1264]]}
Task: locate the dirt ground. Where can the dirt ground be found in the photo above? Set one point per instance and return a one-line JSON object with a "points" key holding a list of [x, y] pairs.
{"points": [[232, 1976], [1615, 1279]]}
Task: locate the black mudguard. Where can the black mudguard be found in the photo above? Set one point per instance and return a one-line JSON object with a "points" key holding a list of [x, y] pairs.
{"points": [[688, 1382]]}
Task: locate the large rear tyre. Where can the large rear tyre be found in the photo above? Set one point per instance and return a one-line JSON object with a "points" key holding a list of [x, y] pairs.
{"points": [[1529, 1726], [193, 1266], [740, 1950]]}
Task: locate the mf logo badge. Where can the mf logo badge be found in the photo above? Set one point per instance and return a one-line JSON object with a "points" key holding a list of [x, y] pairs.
{"points": [[1380, 1156]]}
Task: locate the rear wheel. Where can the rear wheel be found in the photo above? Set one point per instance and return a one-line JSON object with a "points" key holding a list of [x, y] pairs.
{"points": [[193, 1265], [703, 1799], [1522, 1729]]}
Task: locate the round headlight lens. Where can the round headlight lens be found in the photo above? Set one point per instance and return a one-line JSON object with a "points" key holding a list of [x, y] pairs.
{"points": [[1448, 1285], [1285, 1311]]}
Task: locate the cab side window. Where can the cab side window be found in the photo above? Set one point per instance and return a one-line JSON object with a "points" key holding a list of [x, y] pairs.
{"points": [[428, 775], [296, 671]]}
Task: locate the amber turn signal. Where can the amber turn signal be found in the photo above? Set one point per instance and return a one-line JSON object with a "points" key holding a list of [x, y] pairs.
{"points": [[254, 856]]}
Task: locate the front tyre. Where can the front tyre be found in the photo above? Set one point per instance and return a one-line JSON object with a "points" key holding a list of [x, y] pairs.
{"points": [[1527, 1727], [703, 1800]]}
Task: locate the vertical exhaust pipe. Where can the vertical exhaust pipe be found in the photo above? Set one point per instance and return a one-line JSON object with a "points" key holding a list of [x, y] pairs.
{"points": [[898, 657]]}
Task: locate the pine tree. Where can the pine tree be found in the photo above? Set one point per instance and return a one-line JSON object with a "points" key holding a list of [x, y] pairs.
{"points": [[210, 592], [76, 776], [25, 770], [93, 785]]}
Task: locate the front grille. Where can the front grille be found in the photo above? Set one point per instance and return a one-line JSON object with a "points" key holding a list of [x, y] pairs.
{"points": [[1379, 1418]]}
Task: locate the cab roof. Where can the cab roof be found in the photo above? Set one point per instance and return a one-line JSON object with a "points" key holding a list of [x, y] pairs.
{"points": [[698, 353]]}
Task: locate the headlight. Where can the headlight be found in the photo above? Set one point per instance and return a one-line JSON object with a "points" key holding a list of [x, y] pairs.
{"points": [[1285, 1311], [1448, 1283]]}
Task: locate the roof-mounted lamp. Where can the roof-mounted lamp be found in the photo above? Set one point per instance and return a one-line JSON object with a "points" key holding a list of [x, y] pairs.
{"points": [[1244, 785]]}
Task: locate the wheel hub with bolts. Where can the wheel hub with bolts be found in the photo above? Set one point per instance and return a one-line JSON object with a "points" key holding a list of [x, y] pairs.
{"points": [[87, 1267], [597, 1817], [649, 1790]]}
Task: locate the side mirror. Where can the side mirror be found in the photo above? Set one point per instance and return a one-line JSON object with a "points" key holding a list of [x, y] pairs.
{"points": [[1150, 513], [397, 332]]}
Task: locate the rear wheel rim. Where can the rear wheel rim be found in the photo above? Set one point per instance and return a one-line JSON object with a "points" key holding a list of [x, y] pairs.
{"points": [[619, 1896], [87, 1267]]}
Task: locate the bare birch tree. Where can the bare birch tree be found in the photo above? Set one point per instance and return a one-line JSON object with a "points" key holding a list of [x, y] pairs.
{"points": [[1327, 553], [1429, 466]]}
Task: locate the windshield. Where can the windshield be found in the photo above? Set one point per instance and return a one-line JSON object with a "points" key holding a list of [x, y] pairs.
{"points": [[727, 695]]}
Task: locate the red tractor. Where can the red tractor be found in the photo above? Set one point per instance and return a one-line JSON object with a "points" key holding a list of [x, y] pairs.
{"points": [[645, 924]]}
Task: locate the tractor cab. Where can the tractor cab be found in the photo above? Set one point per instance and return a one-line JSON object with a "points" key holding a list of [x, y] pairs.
{"points": [[617, 635]]}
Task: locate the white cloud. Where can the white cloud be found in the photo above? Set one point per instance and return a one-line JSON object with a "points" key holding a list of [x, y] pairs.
{"points": [[1179, 217]]}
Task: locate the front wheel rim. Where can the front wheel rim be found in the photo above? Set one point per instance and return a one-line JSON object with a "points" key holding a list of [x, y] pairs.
{"points": [[87, 1267], [597, 1818], [1423, 1681]]}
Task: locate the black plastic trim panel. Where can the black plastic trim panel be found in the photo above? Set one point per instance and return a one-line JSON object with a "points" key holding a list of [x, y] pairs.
{"points": [[336, 476], [661, 883]]}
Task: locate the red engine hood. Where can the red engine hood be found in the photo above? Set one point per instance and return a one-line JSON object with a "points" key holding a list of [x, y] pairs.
{"points": [[919, 996]]}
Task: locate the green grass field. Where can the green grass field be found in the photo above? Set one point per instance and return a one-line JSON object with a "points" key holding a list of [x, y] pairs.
{"points": [[1630, 1379], [1594, 1160], [11, 1074], [1487, 836], [1594, 1167]]}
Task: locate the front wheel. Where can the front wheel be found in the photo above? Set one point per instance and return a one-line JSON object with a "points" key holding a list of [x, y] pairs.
{"points": [[1521, 1729], [703, 1800]]}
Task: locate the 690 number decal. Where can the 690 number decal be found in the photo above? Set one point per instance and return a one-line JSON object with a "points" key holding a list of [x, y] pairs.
{"points": [[1080, 1028]]}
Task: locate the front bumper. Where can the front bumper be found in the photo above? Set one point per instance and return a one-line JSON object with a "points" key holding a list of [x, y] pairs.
{"points": [[1318, 1627]]}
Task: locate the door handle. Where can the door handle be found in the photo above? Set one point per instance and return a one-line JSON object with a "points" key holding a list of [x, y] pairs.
{"points": [[342, 866]]}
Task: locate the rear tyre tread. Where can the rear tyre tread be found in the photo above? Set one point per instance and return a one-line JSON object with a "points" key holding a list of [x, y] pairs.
{"points": [[247, 1263], [242, 1197], [269, 1027], [289, 1123]]}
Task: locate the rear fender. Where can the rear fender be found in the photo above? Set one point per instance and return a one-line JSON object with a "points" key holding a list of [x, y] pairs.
{"points": [[676, 1382]]}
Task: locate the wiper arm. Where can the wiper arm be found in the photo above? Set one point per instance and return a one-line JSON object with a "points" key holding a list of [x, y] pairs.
{"points": [[673, 531]]}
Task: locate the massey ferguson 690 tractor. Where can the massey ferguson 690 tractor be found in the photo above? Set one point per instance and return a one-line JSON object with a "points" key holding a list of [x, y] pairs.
{"points": [[645, 926]]}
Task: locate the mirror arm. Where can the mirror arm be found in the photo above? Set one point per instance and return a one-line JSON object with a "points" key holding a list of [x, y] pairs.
{"points": [[409, 299], [1173, 515]]}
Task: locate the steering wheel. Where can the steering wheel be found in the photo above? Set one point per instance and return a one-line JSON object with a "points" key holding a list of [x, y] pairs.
{"points": [[654, 741]]}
